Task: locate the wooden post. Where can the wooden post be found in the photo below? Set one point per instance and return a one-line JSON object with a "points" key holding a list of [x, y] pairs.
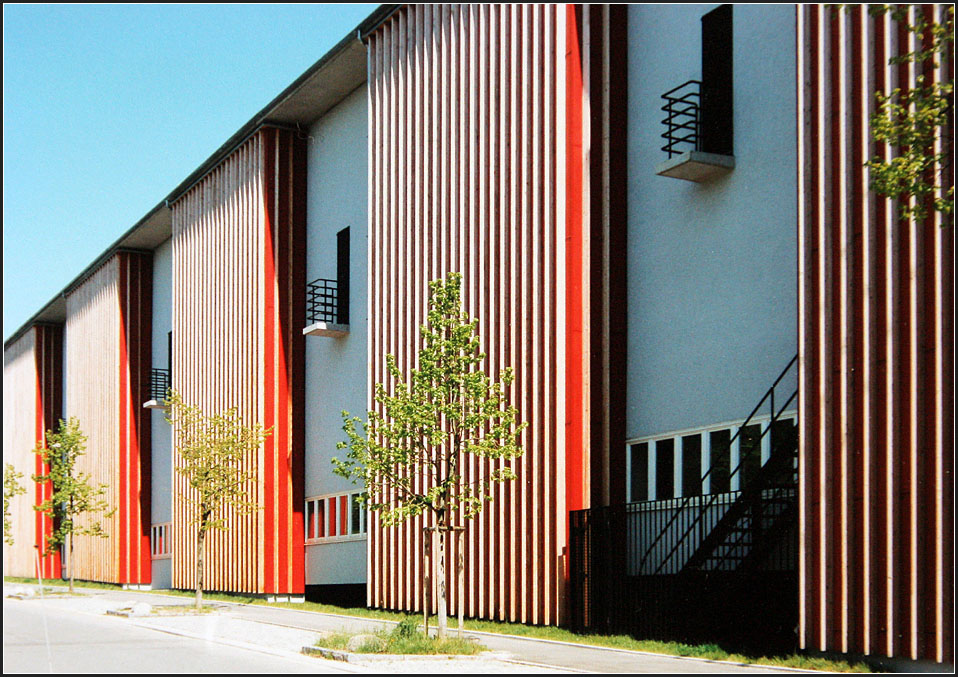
{"points": [[462, 586]]}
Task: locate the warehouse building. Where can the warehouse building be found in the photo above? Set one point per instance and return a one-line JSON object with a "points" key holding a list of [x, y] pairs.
{"points": [[736, 362]]}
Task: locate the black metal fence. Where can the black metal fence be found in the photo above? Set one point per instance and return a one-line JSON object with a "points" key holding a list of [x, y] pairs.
{"points": [[159, 384], [682, 111], [326, 302], [719, 567], [748, 607]]}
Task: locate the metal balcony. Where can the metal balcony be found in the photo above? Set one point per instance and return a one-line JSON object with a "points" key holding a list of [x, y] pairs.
{"points": [[327, 308]]}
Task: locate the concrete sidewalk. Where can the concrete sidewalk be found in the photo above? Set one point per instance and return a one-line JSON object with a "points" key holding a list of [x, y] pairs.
{"points": [[283, 630]]}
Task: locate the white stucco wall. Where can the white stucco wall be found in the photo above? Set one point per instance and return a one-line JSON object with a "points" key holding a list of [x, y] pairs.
{"points": [[336, 367], [161, 441], [712, 309]]}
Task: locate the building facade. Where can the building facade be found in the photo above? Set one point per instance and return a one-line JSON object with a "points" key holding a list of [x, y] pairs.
{"points": [[662, 220]]}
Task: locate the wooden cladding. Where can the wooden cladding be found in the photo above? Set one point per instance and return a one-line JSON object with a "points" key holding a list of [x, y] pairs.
{"points": [[48, 362], [597, 41], [876, 346], [33, 395], [238, 312], [472, 109], [108, 352]]}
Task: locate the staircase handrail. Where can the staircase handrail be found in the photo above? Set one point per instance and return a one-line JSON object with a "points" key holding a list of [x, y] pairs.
{"points": [[769, 394]]}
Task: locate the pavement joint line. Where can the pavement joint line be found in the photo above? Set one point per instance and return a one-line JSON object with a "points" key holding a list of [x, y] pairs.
{"points": [[508, 636]]}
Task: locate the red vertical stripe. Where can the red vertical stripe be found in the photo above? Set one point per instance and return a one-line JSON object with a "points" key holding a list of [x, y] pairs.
{"points": [[574, 312], [39, 435], [123, 510], [297, 277], [269, 366]]}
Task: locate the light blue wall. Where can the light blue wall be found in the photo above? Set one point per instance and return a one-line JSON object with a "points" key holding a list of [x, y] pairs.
{"points": [[161, 441], [162, 574], [339, 563], [712, 309], [336, 368]]}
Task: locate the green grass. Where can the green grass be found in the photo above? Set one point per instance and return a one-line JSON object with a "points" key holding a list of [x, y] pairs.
{"points": [[709, 651], [405, 638], [60, 583]]}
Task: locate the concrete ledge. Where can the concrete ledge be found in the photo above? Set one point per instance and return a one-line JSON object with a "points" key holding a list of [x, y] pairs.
{"points": [[348, 657], [287, 599], [326, 329], [696, 166], [153, 404]]}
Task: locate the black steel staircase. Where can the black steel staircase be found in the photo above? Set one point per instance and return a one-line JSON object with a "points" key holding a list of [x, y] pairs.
{"points": [[714, 567], [766, 498], [756, 520]]}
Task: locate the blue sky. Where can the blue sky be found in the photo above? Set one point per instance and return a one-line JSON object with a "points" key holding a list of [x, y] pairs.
{"points": [[106, 108]]}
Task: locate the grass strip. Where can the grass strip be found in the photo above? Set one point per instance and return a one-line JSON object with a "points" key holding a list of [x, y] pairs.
{"points": [[404, 638]]}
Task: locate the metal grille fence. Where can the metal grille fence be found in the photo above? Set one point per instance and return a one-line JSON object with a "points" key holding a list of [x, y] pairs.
{"points": [[682, 118], [159, 384], [325, 302]]}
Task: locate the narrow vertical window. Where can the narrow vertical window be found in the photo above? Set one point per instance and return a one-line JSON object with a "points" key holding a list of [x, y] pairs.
{"points": [[310, 519], [354, 512], [692, 465], [342, 276], [716, 115], [720, 448], [665, 469], [750, 446], [639, 472], [331, 514]]}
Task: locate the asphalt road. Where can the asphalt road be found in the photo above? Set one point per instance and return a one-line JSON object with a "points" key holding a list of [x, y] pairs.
{"points": [[87, 643]]}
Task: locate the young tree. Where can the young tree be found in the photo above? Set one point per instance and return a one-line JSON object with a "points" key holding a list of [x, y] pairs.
{"points": [[212, 451], [447, 410], [11, 489], [913, 120], [75, 500]]}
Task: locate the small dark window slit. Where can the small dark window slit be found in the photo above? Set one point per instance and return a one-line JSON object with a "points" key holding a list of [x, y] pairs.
{"points": [[342, 276], [716, 94]]}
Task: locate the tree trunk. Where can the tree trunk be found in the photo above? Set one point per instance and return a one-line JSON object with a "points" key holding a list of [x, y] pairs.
{"points": [[200, 545], [441, 575], [72, 567]]}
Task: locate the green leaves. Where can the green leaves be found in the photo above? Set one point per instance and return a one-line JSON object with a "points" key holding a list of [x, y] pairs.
{"points": [[215, 454], [913, 121], [11, 488], [409, 453], [75, 499]]}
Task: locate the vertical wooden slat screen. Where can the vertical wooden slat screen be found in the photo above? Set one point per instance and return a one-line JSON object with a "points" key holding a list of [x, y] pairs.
{"points": [[48, 358], [19, 438], [33, 396], [238, 312], [135, 297], [603, 36], [108, 358], [472, 110], [93, 397], [876, 346]]}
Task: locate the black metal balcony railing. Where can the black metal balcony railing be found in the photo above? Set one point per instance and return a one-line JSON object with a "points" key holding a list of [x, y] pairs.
{"points": [[682, 118], [326, 301], [159, 384]]}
